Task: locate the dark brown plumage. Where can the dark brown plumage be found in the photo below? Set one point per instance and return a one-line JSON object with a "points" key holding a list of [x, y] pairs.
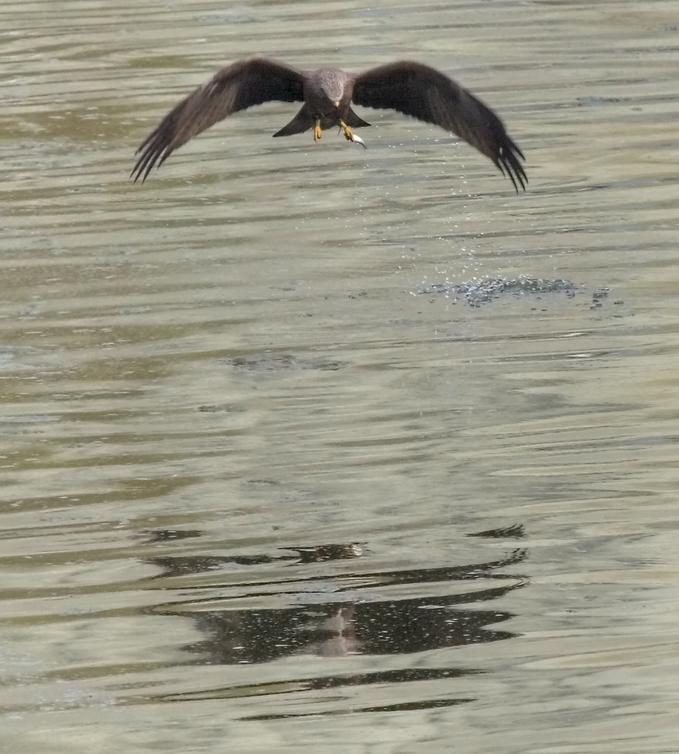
{"points": [[411, 88]]}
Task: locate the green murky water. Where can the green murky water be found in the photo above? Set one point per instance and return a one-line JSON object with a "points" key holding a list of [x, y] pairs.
{"points": [[268, 480]]}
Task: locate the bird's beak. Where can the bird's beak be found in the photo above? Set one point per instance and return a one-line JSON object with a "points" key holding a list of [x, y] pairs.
{"points": [[336, 103]]}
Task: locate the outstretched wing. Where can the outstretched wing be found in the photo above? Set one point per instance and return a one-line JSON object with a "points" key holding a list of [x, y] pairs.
{"points": [[238, 86], [427, 94]]}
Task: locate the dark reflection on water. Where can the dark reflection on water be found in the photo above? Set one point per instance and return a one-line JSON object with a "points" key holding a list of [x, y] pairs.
{"points": [[169, 535], [406, 675], [377, 620], [328, 552], [372, 623], [181, 566], [335, 628], [516, 531], [402, 707], [271, 361]]}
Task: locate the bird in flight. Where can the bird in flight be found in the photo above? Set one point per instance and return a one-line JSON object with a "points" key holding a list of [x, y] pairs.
{"points": [[411, 88]]}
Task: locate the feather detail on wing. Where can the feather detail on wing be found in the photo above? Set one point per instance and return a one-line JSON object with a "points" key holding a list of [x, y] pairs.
{"points": [[243, 84], [429, 95]]}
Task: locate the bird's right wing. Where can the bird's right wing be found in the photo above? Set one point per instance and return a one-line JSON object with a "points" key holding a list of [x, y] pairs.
{"points": [[238, 86], [427, 94]]}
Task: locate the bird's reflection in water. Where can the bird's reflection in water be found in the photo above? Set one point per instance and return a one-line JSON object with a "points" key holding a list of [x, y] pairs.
{"points": [[363, 612], [349, 619], [185, 565], [373, 626]]}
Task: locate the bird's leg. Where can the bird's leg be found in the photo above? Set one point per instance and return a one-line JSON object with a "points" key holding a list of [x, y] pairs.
{"points": [[318, 131], [349, 135]]}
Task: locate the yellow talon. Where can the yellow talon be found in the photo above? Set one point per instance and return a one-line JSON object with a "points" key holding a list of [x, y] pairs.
{"points": [[348, 133], [318, 132]]}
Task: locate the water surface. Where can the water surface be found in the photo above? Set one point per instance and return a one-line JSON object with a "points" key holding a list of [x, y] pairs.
{"points": [[274, 474]]}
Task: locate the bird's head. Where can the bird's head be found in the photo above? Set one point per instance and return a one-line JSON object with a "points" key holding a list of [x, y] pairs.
{"points": [[333, 88]]}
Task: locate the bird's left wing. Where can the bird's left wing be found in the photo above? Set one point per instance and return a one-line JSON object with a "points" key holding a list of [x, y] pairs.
{"points": [[429, 95], [238, 86]]}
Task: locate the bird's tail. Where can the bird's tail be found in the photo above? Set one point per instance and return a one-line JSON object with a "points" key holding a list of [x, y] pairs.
{"points": [[301, 122], [354, 121]]}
